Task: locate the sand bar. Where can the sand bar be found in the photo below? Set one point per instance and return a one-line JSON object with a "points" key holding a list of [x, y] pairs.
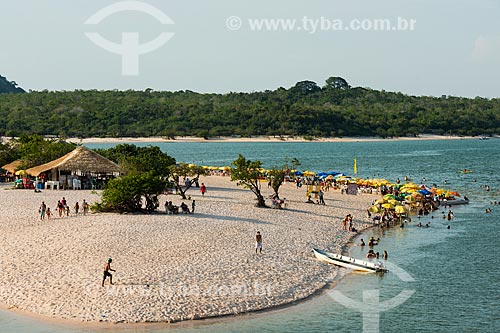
{"points": [[169, 267], [262, 139]]}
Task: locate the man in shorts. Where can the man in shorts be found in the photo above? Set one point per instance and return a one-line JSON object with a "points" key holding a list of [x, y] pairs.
{"points": [[107, 268], [258, 242]]}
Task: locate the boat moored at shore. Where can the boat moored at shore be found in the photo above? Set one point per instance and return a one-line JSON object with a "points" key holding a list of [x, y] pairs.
{"points": [[348, 262]]}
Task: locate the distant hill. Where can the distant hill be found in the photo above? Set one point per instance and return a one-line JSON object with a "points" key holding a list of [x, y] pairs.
{"points": [[7, 86], [334, 110]]}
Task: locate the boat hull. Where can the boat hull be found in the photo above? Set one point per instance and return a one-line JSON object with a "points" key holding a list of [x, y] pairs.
{"points": [[455, 202], [348, 262]]}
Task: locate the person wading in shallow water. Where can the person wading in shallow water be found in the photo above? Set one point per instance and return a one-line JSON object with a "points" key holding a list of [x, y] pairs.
{"points": [[107, 268]]}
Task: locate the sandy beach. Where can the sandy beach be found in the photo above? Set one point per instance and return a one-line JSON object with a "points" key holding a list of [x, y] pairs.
{"points": [[261, 139], [169, 267]]}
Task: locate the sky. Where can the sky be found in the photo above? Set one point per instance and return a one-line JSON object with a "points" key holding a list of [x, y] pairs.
{"points": [[217, 46]]}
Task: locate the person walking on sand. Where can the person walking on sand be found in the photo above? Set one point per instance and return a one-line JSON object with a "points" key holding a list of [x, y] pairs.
{"points": [[85, 207], [193, 204], [60, 207], [321, 199], [258, 242], [48, 213], [107, 268], [77, 208], [345, 221], [203, 189], [42, 209]]}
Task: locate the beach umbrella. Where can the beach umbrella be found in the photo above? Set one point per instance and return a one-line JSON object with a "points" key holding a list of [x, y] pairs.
{"points": [[425, 192], [21, 173], [374, 209], [380, 201], [400, 209], [388, 206], [410, 198]]}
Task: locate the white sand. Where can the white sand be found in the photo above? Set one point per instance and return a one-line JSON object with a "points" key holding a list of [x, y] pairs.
{"points": [[168, 267], [261, 139]]}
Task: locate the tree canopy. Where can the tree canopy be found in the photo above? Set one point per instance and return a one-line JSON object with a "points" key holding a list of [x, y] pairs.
{"points": [[35, 150], [126, 194], [138, 160], [305, 109], [246, 173]]}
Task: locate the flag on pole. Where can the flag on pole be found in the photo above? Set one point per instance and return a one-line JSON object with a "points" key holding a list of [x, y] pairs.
{"points": [[355, 167]]}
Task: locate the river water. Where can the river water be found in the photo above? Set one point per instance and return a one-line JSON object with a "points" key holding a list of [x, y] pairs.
{"points": [[451, 274]]}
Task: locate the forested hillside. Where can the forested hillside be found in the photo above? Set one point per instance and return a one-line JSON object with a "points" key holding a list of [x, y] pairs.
{"points": [[305, 109], [7, 86]]}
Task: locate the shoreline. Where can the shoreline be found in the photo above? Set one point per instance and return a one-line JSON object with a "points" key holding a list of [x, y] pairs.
{"points": [[263, 139]]}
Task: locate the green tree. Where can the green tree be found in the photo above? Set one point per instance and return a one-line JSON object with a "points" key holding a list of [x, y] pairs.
{"points": [[278, 174], [126, 194], [137, 160], [183, 171], [7, 154], [34, 150], [246, 173], [336, 82]]}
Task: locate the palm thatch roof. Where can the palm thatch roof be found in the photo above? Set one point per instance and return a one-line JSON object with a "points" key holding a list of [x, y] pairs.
{"points": [[12, 166], [80, 159]]}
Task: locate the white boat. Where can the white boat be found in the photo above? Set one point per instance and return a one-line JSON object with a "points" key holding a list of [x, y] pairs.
{"points": [[348, 262], [454, 202]]}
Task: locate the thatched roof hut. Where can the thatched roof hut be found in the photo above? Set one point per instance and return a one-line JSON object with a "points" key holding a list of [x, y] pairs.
{"points": [[12, 166], [79, 161]]}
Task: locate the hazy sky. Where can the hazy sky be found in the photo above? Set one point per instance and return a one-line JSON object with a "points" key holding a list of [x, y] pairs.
{"points": [[453, 50]]}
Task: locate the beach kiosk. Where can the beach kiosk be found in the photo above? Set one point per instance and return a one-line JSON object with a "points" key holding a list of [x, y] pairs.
{"points": [[79, 169]]}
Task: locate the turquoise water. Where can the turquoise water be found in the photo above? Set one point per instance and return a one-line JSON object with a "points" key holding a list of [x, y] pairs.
{"points": [[454, 272]]}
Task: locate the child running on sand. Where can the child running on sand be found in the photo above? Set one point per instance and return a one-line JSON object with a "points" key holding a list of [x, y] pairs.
{"points": [[48, 213], [107, 268]]}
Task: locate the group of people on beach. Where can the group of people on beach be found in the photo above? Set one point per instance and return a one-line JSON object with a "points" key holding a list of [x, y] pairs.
{"points": [[170, 208], [347, 223], [62, 209]]}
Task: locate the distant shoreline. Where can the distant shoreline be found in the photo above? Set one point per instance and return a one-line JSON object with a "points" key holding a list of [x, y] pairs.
{"points": [[262, 139]]}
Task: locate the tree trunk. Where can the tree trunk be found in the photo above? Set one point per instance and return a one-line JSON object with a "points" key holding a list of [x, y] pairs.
{"points": [[261, 202]]}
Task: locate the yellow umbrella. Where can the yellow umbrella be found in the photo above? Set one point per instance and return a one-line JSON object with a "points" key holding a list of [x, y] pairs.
{"points": [[388, 206], [380, 201], [374, 209], [400, 209], [21, 173]]}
